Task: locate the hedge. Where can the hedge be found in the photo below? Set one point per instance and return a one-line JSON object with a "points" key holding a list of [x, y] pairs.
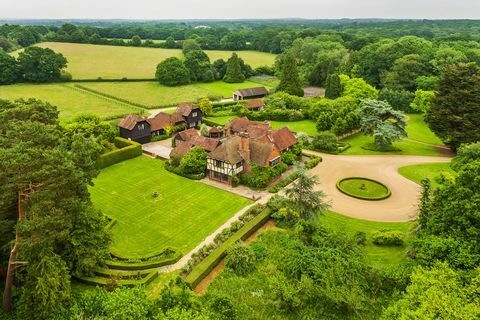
{"points": [[164, 253], [201, 270], [211, 123], [388, 238], [179, 172], [353, 195], [101, 281], [128, 150], [126, 275], [121, 265], [314, 160]]}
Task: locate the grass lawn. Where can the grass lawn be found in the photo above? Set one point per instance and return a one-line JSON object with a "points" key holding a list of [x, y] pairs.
{"points": [[88, 61], [418, 130], [376, 255], [69, 101], [363, 188], [306, 126], [407, 147], [418, 172], [151, 93], [182, 215]]}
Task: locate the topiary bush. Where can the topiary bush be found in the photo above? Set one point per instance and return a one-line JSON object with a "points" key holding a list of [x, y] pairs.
{"points": [[388, 238]]}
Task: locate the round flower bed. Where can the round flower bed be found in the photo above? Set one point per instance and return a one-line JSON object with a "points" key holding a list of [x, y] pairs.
{"points": [[363, 188]]}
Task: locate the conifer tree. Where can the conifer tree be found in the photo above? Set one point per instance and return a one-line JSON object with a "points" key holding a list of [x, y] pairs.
{"points": [[289, 76], [333, 87], [234, 70]]}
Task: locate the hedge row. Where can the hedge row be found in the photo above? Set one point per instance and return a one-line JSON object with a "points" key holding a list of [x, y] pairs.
{"points": [[200, 271], [179, 172], [100, 79], [283, 183], [101, 281], [164, 253], [125, 275], [211, 123], [313, 162], [128, 150], [121, 265]]}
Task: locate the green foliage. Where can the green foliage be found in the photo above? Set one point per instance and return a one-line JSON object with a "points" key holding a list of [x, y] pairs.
{"points": [[381, 121], [326, 142], [279, 185], [360, 238], [128, 150], [357, 88], [387, 238], [136, 41], [194, 162], [466, 154], [423, 101], [404, 73], [190, 45], [333, 87], [261, 176], [438, 293], [450, 222], [41, 65], [9, 69], [233, 73], [339, 115], [172, 72], [288, 75], [313, 162], [241, 259], [206, 106], [198, 64], [455, 113], [89, 126], [398, 99], [427, 83]]}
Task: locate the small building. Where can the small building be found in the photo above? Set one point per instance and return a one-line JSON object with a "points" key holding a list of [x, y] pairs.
{"points": [[163, 120], [250, 93], [135, 128], [184, 136], [182, 148], [215, 132], [191, 113], [255, 105], [244, 125]]}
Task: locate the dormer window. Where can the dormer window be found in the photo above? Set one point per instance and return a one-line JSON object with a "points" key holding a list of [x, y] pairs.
{"points": [[194, 113], [141, 126]]}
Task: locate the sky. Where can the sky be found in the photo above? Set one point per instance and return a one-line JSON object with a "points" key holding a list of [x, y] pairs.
{"points": [[238, 9]]}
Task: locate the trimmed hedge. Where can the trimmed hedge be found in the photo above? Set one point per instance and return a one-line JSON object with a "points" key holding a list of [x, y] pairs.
{"points": [[388, 238], [125, 275], [283, 183], [128, 150], [165, 253], [121, 265], [201, 270], [344, 191], [211, 123], [101, 281], [314, 160], [179, 172]]}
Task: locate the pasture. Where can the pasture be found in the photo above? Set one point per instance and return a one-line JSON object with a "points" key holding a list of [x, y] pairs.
{"points": [[151, 93], [69, 101], [89, 61], [182, 215]]}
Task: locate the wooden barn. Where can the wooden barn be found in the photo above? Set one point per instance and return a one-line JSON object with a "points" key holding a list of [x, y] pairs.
{"points": [[250, 93]]}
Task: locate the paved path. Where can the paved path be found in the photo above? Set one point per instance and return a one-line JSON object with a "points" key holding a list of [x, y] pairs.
{"points": [[159, 148], [400, 206]]}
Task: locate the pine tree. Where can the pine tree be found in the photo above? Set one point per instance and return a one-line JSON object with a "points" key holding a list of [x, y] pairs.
{"points": [[333, 87], [234, 70], [289, 77]]}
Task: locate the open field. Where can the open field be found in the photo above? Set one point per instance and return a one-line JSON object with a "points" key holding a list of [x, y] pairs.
{"points": [[418, 130], [151, 93], [431, 171], [182, 215], [88, 61], [377, 255], [69, 101]]}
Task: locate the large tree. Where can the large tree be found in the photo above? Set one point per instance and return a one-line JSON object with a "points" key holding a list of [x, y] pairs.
{"points": [[333, 86], [172, 72], [44, 184], [9, 71], [404, 73], [41, 65], [380, 120], [233, 73], [289, 76], [455, 113], [198, 64]]}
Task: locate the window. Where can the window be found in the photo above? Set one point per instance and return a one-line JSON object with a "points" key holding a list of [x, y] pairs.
{"points": [[274, 161], [141, 126], [239, 164], [218, 163], [194, 114]]}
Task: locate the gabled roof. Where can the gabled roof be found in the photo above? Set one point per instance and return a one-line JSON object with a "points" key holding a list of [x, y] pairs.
{"points": [[253, 128], [188, 134], [252, 92], [256, 103], [228, 151], [162, 120], [214, 130], [284, 138], [130, 121], [186, 108], [208, 144], [260, 151]]}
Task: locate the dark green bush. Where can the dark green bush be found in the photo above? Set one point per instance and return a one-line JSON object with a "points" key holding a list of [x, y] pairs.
{"points": [[326, 142], [360, 238], [388, 238], [128, 150], [283, 183], [260, 176]]}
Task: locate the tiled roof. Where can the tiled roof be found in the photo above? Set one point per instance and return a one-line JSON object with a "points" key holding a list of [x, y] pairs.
{"points": [[284, 138], [252, 92], [188, 134], [185, 109], [130, 121], [256, 103]]}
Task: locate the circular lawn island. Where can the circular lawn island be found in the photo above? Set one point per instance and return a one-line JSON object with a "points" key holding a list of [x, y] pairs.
{"points": [[363, 188]]}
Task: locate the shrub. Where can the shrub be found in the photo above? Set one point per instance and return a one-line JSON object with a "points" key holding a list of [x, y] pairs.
{"points": [[260, 176], [360, 238], [172, 72], [283, 183], [194, 162], [313, 162], [160, 137], [129, 149], [326, 142], [241, 259], [388, 238]]}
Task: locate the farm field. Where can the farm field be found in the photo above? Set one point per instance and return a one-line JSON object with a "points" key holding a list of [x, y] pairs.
{"points": [[431, 171], [151, 93], [182, 215], [69, 101], [88, 61]]}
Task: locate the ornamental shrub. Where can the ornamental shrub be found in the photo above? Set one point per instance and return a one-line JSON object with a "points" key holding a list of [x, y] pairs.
{"points": [[326, 142], [240, 259], [388, 238]]}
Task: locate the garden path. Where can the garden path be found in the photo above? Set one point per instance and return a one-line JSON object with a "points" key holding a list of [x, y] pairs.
{"points": [[400, 206]]}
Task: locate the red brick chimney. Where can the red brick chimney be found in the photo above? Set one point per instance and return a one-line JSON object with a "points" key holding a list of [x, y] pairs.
{"points": [[244, 149]]}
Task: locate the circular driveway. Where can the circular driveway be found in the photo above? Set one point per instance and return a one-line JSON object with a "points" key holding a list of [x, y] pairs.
{"points": [[400, 206]]}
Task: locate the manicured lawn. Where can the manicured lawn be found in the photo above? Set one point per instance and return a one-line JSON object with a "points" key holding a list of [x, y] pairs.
{"points": [[306, 126], [407, 147], [418, 130], [431, 171], [376, 255], [151, 93], [69, 101], [88, 61], [182, 215], [363, 188]]}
